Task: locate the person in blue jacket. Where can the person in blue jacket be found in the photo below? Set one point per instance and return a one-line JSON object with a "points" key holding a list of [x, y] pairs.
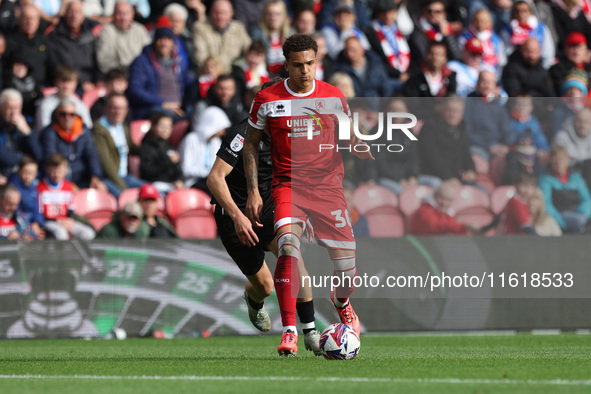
{"points": [[567, 197]]}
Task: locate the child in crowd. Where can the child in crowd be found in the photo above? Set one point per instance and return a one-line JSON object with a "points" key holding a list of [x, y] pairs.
{"points": [[159, 161], [254, 66], [524, 121], [515, 217], [56, 196], [211, 70], [25, 180]]}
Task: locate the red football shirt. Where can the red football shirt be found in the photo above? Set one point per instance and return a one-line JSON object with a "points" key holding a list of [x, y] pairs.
{"points": [[55, 202], [514, 217], [297, 159]]}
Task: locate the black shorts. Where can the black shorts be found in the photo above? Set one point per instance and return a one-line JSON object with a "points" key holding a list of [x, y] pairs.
{"points": [[248, 259]]}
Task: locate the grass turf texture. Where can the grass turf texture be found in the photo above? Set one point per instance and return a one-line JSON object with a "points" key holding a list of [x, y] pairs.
{"points": [[520, 363]]}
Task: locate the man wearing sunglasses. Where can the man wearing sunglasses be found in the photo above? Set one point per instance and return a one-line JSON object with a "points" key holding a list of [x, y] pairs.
{"points": [[69, 136], [432, 25]]}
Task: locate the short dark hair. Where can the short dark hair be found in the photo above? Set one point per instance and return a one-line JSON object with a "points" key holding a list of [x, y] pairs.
{"points": [[56, 159], [525, 178], [299, 43], [258, 47], [115, 73], [427, 3], [25, 160], [111, 96]]}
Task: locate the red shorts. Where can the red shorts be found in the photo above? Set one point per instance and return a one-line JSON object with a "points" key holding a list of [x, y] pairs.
{"points": [[326, 208]]}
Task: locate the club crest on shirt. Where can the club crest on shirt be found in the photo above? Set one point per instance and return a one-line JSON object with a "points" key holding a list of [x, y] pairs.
{"points": [[237, 143], [320, 105]]}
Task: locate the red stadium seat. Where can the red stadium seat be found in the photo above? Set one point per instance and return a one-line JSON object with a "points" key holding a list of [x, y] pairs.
{"points": [[498, 165], [178, 132], [191, 213], [468, 197], [138, 129], [411, 197], [380, 207], [49, 90], [481, 164], [90, 96], [500, 196], [96, 206]]}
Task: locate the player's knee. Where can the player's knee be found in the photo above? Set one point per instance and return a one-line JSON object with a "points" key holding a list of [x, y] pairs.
{"points": [[288, 245], [267, 287]]}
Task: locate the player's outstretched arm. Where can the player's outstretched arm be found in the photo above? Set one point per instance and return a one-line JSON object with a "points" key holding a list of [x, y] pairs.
{"points": [[216, 182], [254, 204]]}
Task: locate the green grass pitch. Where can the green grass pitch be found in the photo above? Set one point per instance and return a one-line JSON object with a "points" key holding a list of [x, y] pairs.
{"points": [[521, 363]]}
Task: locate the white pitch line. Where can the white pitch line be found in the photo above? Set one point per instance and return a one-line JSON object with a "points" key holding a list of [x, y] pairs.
{"points": [[554, 382]]}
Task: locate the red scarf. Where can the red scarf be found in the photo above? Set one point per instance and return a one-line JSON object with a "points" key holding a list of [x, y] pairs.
{"points": [[254, 78], [520, 31], [430, 31], [275, 57], [489, 56], [205, 83], [398, 57]]}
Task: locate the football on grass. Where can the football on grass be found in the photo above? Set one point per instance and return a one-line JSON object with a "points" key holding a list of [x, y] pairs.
{"points": [[339, 342]]}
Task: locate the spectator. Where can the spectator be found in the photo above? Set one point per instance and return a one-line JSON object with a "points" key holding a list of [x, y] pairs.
{"points": [[183, 41], [343, 27], [25, 180], [365, 69], [576, 56], [544, 224], [344, 82], [115, 83], [487, 122], [12, 226], [222, 94], [208, 75], [159, 161], [524, 72], [515, 217], [56, 195], [522, 158], [158, 82], [16, 136], [199, 148], [21, 79], [197, 10], [304, 22], [434, 216], [444, 147], [387, 40], [159, 227], [127, 224], [493, 48], [66, 80], [432, 26], [272, 31], [248, 12], [122, 40], [469, 67], [521, 109], [575, 136], [572, 100], [396, 171], [33, 45], [220, 36], [326, 10], [526, 25], [113, 143], [253, 65], [74, 43], [565, 192], [69, 136], [569, 17], [433, 78]]}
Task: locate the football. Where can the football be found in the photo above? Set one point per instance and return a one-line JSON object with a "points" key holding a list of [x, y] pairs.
{"points": [[339, 342]]}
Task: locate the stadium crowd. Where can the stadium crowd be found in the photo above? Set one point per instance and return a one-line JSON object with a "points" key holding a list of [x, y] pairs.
{"points": [[117, 95]]}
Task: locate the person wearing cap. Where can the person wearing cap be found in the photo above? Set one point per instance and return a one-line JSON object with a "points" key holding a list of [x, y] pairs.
{"points": [[158, 79], [576, 56], [148, 198], [388, 41], [570, 16], [122, 40], [127, 224], [573, 94], [493, 48], [468, 68], [198, 149], [343, 27]]}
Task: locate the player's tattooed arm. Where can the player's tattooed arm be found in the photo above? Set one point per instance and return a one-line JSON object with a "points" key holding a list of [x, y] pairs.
{"points": [[254, 204]]}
